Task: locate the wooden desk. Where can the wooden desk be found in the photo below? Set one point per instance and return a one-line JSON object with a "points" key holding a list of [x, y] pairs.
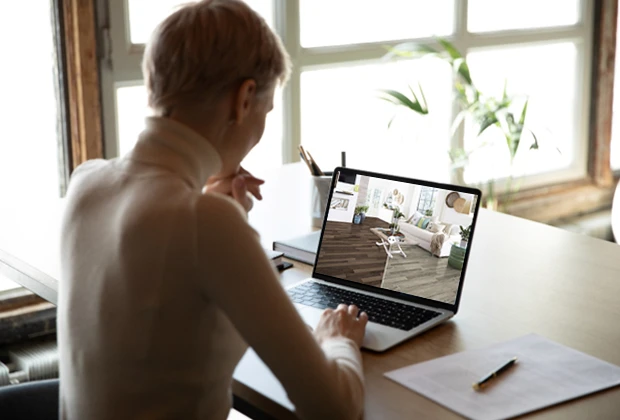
{"points": [[523, 277]]}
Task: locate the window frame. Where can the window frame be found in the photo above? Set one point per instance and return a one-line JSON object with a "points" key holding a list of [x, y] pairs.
{"points": [[602, 98], [78, 128], [120, 65], [430, 199], [335, 56], [81, 72], [595, 190]]}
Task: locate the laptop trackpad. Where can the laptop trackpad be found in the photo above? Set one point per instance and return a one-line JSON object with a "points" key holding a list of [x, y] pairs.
{"points": [[311, 317]]}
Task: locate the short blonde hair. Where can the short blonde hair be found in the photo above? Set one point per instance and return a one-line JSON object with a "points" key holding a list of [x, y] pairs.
{"points": [[205, 49]]}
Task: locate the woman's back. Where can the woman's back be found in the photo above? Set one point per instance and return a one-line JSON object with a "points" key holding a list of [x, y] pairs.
{"points": [[142, 338], [162, 284]]}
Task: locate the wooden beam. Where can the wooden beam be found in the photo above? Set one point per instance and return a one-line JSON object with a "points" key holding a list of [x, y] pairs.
{"points": [[604, 54], [561, 201], [83, 81]]}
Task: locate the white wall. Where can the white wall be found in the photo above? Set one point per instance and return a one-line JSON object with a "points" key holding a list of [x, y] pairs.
{"points": [[376, 184], [411, 200]]}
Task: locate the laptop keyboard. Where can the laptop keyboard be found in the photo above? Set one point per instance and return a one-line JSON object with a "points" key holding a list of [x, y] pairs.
{"points": [[381, 311]]}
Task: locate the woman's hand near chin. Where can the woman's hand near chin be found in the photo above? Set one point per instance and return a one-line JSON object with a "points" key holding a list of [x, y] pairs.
{"points": [[237, 186]]}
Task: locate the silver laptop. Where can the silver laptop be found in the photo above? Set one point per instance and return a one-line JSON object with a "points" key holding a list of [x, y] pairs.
{"points": [[402, 261]]}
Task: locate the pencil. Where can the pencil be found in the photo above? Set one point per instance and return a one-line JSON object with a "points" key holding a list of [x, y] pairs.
{"points": [[318, 171], [303, 151], [306, 162], [302, 154]]}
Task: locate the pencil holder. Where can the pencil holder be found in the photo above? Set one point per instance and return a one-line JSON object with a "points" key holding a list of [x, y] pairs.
{"points": [[320, 192]]}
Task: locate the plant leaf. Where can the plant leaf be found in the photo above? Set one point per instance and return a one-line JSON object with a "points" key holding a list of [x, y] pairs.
{"points": [[457, 121], [413, 46], [391, 121], [400, 99], [423, 96], [410, 50], [450, 49], [423, 107], [522, 119], [458, 157], [535, 145], [487, 121], [462, 69]]}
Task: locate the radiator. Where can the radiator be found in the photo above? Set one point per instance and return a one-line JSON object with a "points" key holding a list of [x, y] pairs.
{"points": [[30, 362]]}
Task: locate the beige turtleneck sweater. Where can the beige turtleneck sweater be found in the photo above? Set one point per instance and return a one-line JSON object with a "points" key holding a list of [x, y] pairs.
{"points": [[162, 287]]}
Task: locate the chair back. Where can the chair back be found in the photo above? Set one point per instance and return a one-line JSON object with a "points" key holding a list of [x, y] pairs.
{"points": [[36, 400]]}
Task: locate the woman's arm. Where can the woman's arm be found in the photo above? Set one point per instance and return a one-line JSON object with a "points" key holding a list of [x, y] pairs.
{"points": [[322, 382]]}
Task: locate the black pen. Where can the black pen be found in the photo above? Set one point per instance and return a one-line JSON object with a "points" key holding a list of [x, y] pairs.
{"points": [[478, 385]]}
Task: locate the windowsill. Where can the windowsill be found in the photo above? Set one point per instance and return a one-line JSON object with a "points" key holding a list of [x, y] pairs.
{"points": [[550, 203], [25, 316]]}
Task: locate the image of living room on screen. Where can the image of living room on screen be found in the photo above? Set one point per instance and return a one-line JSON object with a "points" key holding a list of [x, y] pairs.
{"points": [[398, 236]]}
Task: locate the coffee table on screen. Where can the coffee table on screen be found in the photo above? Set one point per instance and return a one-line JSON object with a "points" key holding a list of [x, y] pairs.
{"points": [[389, 241]]}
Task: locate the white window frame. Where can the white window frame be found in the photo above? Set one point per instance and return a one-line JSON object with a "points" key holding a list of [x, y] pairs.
{"points": [[121, 67]]}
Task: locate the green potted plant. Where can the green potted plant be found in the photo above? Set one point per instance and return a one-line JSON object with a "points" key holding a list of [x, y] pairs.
{"points": [[465, 232], [396, 216], [506, 113], [394, 228], [428, 212], [357, 215], [363, 211]]}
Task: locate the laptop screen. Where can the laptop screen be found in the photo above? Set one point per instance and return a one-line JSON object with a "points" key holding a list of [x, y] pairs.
{"points": [[397, 234]]}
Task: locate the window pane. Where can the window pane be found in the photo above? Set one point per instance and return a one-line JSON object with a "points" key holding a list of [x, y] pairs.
{"points": [[132, 109], [427, 199], [328, 22], [6, 284], [341, 111], [548, 75], [29, 179], [501, 15], [144, 15]]}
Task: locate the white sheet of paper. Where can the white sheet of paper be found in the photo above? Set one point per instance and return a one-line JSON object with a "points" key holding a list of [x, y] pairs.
{"points": [[545, 374]]}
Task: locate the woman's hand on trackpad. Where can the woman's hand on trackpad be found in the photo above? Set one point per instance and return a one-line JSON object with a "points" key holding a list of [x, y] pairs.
{"points": [[342, 322]]}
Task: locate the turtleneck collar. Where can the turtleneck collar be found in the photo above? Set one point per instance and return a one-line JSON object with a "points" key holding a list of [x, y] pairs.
{"points": [[170, 144]]}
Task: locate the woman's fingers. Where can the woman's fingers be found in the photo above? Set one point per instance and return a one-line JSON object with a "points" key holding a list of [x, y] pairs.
{"points": [[343, 322], [240, 193], [253, 186], [238, 187], [253, 183], [225, 185], [363, 318]]}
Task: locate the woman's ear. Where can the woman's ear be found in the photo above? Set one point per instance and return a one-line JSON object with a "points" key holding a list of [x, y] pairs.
{"points": [[244, 100]]}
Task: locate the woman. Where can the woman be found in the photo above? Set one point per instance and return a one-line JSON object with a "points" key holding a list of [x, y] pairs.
{"points": [[164, 282]]}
